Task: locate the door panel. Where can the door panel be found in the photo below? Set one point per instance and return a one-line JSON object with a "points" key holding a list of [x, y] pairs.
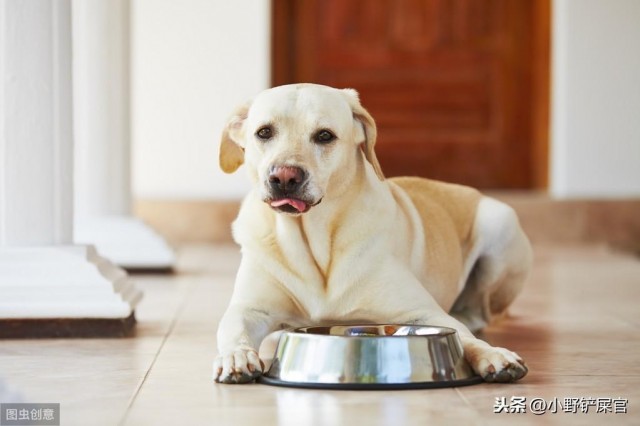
{"points": [[449, 82]]}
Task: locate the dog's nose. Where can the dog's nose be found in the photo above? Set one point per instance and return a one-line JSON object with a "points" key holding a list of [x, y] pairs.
{"points": [[286, 179]]}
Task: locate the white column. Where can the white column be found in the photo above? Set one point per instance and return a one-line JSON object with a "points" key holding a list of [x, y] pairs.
{"points": [[42, 274], [102, 134]]}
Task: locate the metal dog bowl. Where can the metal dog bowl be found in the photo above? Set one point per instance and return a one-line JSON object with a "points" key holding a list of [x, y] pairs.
{"points": [[386, 356]]}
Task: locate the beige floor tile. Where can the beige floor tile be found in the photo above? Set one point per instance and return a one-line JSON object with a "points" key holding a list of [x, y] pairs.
{"points": [[281, 406], [553, 390], [577, 324]]}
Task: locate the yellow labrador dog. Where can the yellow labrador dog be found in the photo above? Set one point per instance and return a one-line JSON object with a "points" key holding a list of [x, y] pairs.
{"points": [[327, 239]]}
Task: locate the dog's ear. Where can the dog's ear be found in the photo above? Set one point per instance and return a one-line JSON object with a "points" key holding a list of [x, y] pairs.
{"points": [[231, 149], [369, 133]]}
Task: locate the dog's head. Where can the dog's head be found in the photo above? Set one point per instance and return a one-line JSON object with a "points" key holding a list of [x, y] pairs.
{"points": [[300, 143]]}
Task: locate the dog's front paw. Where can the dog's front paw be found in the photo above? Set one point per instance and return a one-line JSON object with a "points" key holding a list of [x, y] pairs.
{"points": [[240, 366], [496, 364]]}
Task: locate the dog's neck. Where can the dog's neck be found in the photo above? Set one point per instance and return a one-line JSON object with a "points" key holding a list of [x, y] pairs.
{"points": [[342, 209], [345, 194]]}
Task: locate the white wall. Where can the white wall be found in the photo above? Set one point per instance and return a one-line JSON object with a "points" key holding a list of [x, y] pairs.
{"points": [[595, 138], [192, 62]]}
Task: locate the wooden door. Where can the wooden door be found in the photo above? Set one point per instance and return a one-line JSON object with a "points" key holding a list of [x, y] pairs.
{"points": [[458, 88]]}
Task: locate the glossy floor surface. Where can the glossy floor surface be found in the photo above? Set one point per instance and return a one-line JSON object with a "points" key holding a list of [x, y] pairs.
{"points": [[577, 324]]}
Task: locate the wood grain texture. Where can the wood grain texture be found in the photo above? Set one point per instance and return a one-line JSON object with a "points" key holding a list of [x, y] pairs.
{"points": [[46, 328], [454, 85]]}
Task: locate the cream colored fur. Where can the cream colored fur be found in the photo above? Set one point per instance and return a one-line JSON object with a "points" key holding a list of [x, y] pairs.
{"points": [[403, 250]]}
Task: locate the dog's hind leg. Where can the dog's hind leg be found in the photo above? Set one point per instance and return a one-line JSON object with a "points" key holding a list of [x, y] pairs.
{"points": [[501, 261]]}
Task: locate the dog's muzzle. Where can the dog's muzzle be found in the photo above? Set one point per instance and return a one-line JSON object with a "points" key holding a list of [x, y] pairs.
{"points": [[286, 190]]}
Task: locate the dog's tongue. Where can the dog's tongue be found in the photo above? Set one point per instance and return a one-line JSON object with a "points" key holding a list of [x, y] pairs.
{"points": [[297, 204]]}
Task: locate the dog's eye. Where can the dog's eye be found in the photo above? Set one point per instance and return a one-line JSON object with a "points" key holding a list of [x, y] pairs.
{"points": [[324, 136], [265, 133]]}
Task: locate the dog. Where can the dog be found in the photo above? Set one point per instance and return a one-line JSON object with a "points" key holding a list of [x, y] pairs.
{"points": [[326, 239]]}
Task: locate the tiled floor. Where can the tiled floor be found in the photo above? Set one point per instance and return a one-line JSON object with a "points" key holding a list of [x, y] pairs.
{"points": [[577, 325]]}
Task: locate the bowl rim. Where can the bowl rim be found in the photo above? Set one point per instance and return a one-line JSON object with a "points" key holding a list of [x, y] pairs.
{"points": [[303, 331]]}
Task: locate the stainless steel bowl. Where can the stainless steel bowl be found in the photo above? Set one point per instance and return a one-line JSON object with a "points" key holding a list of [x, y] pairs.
{"points": [[384, 356]]}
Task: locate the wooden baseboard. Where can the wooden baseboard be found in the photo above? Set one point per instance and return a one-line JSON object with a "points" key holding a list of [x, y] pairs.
{"points": [[40, 328], [615, 222], [184, 221]]}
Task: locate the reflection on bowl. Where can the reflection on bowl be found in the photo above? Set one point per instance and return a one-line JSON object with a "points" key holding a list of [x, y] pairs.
{"points": [[384, 356]]}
